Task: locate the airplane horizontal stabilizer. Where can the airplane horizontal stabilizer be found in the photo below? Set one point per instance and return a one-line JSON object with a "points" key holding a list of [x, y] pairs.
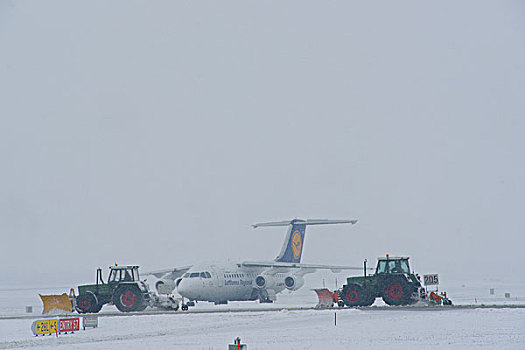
{"points": [[292, 248], [304, 222]]}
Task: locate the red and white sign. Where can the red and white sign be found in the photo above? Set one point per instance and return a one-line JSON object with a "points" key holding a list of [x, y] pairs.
{"points": [[68, 324]]}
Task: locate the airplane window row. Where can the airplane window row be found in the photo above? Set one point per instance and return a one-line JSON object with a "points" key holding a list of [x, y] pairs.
{"points": [[197, 274], [238, 275]]}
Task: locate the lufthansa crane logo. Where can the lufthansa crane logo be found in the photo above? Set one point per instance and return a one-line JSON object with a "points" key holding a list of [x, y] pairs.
{"points": [[296, 244]]}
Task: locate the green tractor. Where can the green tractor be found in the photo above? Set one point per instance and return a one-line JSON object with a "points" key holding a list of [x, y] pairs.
{"points": [[391, 281], [124, 289]]}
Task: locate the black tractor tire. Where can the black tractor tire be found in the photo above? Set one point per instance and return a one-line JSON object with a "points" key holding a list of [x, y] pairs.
{"points": [[98, 308], [142, 307], [128, 298], [368, 298], [356, 295], [87, 303], [397, 291]]}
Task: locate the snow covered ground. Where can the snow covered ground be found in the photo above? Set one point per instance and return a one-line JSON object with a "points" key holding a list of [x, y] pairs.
{"points": [[309, 329], [303, 329]]}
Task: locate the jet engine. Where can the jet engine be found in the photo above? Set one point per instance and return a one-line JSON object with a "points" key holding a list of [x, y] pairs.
{"points": [[293, 282], [165, 286], [264, 281]]}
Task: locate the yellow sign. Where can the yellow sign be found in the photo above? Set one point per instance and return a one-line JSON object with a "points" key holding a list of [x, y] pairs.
{"points": [[296, 244], [46, 326]]}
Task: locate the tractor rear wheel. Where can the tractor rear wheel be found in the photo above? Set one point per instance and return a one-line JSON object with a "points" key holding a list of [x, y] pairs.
{"points": [[87, 303], [128, 298], [397, 291]]}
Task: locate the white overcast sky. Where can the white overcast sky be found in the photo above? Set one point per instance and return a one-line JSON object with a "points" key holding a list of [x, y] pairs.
{"points": [[156, 132]]}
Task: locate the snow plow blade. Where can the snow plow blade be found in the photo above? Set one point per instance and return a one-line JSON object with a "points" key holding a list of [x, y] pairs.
{"points": [[56, 304], [326, 298]]}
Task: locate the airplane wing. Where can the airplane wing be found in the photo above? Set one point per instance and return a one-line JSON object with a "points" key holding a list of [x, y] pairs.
{"points": [[169, 273], [311, 267]]}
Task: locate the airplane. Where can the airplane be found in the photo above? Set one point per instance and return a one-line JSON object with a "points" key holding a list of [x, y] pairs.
{"points": [[249, 280]]}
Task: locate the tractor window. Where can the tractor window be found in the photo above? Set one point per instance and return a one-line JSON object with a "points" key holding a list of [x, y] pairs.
{"points": [[114, 277], [126, 276], [135, 275], [381, 266], [392, 267], [398, 266], [404, 266]]}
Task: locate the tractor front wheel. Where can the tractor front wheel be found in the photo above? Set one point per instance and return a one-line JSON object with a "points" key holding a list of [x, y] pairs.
{"points": [[355, 295], [128, 298], [87, 303]]}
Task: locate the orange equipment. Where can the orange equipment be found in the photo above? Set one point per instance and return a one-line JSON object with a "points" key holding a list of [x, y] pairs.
{"points": [[326, 298], [439, 298]]}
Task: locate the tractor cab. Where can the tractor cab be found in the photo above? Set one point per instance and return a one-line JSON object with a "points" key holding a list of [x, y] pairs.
{"points": [[119, 274], [392, 265]]}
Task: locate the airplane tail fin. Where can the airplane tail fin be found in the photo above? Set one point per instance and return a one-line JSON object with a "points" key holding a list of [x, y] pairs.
{"points": [[293, 244]]}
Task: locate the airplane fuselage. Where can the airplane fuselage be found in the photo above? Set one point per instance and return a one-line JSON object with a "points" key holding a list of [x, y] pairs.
{"points": [[222, 283]]}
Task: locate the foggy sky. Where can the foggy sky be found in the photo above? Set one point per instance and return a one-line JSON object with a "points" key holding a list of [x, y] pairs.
{"points": [[156, 132]]}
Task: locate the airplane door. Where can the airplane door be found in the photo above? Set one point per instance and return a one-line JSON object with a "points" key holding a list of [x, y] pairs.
{"points": [[219, 276]]}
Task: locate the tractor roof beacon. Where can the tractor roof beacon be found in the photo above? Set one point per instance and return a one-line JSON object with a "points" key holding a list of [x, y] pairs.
{"points": [[123, 288], [393, 281]]}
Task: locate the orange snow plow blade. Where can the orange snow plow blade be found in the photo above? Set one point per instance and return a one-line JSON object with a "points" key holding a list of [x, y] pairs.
{"points": [[326, 298], [56, 304]]}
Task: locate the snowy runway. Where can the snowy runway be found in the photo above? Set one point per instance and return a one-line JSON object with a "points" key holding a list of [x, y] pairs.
{"points": [[309, 329]]}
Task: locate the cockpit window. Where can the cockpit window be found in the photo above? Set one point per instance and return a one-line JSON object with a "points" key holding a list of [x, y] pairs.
{"points": [[186, 275], [208, 275], [202, 275], [194, 274]]}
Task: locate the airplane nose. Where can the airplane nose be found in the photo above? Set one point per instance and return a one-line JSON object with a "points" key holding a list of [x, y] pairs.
{"points": [[184, 288]]}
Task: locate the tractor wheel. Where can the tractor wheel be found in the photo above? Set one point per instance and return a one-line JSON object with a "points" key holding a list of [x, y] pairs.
{"points": [[355, 295], [397, 291], [142, 307], [98, 308], [368, 298], [128, 298], [87, 303]]}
